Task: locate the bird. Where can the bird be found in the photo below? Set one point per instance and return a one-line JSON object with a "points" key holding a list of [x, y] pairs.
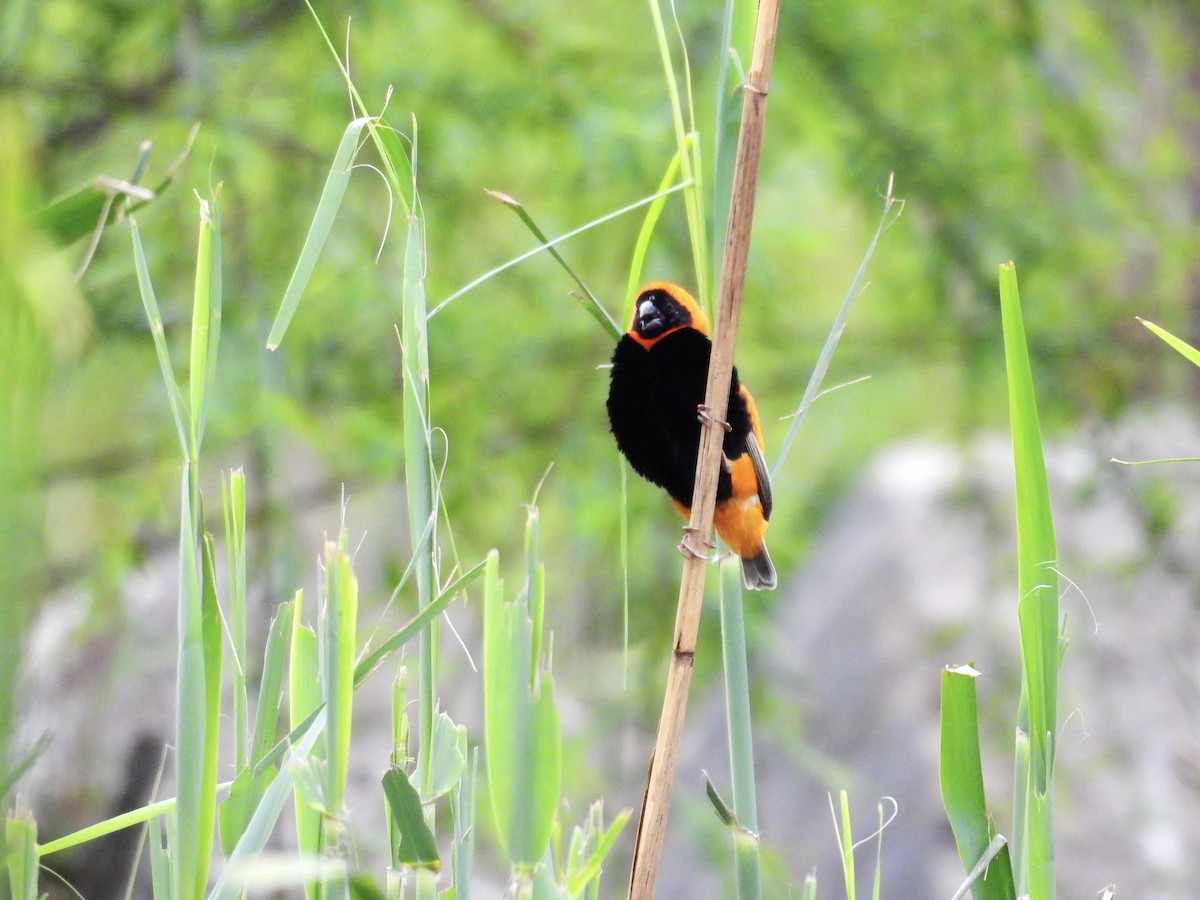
{"points": [[656, 409]]}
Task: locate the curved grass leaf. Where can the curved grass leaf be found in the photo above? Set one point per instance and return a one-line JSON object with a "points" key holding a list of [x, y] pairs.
{"points": [[558, 240], [589, 302], [318, 231], [154, 317]]}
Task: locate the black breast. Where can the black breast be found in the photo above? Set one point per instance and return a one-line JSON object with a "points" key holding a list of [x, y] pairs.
{"points": [[652, 400]]}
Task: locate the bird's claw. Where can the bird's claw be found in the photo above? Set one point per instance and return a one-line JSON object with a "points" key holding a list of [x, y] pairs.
{"points": [[687, 549], [704, 414], [727, 464]]}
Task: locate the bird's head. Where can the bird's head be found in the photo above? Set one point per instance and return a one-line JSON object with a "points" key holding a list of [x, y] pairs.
{"points": [[662, 308]]}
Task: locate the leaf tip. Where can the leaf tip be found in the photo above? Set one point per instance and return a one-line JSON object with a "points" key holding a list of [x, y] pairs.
{"points": [[503, 198], [965, 669]]}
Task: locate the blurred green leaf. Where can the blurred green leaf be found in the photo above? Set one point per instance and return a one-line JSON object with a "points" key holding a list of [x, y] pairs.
{"points": [[417, 849], [305, 707], [78, 214], [725, 814], [270, 685], [523, 737], [21, 854], [262, 823], [339, 617], [587, 872], [238, 807], [961, 775], [447, 760]]}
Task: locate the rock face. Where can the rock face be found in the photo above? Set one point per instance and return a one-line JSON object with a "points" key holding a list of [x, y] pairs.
{"points": [[915, 569]]}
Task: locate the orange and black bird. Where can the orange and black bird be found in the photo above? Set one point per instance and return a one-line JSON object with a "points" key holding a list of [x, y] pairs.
{"points": [[655, 409]]}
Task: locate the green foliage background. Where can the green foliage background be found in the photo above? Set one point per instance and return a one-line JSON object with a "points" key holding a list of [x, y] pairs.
{"points": [[1061, 135]]}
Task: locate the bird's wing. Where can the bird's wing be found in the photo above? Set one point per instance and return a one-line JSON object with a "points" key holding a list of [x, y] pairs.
{"points": [[761, 472]]}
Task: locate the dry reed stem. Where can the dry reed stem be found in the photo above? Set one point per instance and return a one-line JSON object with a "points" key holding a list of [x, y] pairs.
{"points": [[656, 803]]}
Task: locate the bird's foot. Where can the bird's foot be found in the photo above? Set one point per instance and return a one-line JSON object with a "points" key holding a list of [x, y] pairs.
{"points": [[686, 549], [727, 464], [704, 414]]}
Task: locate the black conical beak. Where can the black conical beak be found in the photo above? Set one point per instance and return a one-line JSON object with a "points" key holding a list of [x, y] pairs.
{"points": [[650, 320]]}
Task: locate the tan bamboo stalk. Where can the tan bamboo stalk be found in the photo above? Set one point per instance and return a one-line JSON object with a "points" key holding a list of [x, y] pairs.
{"points": [[656, 803]]}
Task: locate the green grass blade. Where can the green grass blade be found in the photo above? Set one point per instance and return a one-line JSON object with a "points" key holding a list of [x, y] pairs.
{"points": [[1183, 347], [301, 722], [304, 708], [1038, 591], [624, 571], [201, 310], [876, 885], [236, 811], [522, 732], [724, 811], [847, 841], [233, 502], [21, 854], [689, 150], [726, 119], [262, 823], [589, 872], [417, 848], [78, 214], [591, 303], [398, 170], [555, 242], [419, 474], [22, 765], [738, 719], [154, 317], [1022, 772], [340, 615], [212, 637], [462, 807], [412, 628], [318, 231], [811, 391], [191, 705], [532, 595], [91, 208], [270, 685], [960, 772], [207, 312], [250, 784], [447, 759], [637, 261], [108, 826], [995, 848], [160, 862]]}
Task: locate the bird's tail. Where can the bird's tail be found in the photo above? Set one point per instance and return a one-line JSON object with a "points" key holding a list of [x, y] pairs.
{"points": [[759, 572]]}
